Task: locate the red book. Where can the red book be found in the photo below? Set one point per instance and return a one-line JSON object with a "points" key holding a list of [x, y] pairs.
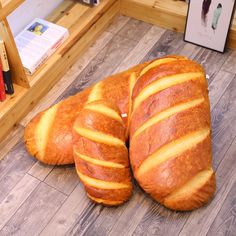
{"points": [[2, 86]]}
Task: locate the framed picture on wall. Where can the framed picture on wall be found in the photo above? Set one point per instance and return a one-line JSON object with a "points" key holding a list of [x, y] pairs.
{"points": [[208, 23]]}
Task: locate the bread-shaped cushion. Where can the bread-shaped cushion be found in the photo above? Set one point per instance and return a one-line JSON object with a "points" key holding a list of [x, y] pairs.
{"points": [[170, 135], [100, 153]]}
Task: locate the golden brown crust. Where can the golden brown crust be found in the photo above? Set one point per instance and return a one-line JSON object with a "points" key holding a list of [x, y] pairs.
{"points": [[172, 174], [119, 175], [120, 195], [102, 151], [198, 198]]}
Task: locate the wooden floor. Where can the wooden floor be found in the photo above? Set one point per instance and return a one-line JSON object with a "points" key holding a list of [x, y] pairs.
{"points": [[44, 200]]}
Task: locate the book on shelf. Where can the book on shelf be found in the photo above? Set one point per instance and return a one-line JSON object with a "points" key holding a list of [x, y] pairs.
{"points": [[6, 69], [39, 40], [2, 86]]}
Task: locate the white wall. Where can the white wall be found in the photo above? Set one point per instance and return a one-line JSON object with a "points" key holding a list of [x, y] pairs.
{"points": [[29, 10]]}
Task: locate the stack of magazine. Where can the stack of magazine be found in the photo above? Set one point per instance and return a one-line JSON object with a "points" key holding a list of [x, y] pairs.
{"points": [[38, 41]]}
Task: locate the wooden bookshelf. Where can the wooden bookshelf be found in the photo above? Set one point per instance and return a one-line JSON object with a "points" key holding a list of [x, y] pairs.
{"points": [[169, 14]]}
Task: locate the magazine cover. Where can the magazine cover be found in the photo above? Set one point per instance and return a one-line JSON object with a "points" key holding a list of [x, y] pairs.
{"points": [[38, 41]]}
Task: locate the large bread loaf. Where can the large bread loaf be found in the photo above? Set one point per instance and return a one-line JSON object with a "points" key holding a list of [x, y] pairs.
{"points": [[100, 153], [170, 146]]}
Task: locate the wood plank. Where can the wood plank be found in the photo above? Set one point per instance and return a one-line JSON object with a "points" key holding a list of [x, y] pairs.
{"points": [[118, 23], [76, 205], [87, 218], [223, 116], [133, 28], [189, 50], [225, 221], [212, 61], [37, 210], [141, 49], [17, 71], [160, 221], [63, 178], [218, 86], [40, 170], [16, 197], [42, 86], [10, 141], [13, 168], [72, 74], [230, 63], [130, 218], [169, 43]]}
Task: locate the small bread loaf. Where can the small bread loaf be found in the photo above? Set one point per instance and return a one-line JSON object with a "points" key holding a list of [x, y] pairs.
{"points": [[170, 147], [100, 153]]}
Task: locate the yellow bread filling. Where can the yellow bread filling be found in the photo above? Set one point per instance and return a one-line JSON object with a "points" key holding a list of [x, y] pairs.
{"points": [[164, 83], [99, 137], [43, 128], [97, 183], [191, 186], [167, 113], [172, 149], [96, 93], [158, 63], [104, 201], [104, 110], [98, 162]]}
